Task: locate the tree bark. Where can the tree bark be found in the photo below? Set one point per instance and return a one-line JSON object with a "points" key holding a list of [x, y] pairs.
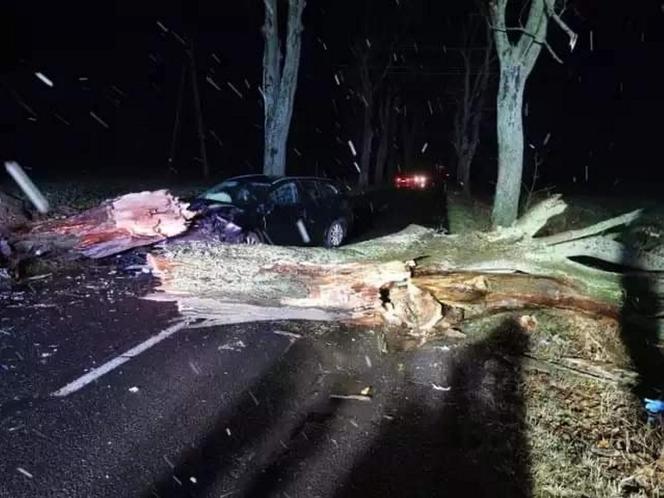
{"points": [[510, 144], [417, 280], [279, 82]]}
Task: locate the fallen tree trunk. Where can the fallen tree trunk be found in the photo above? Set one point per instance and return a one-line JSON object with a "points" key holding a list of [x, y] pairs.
{"points": [[418, 280], [116, 225]]}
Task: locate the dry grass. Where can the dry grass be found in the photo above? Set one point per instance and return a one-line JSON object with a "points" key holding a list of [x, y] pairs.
{"points": [[467, 215], [588, 437]]}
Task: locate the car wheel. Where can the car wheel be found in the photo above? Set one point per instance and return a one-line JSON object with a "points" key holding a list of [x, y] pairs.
{"points": [[335, 234], [252, 238]]}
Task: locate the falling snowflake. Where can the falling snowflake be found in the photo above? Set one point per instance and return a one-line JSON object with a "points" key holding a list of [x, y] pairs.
{"points": [[44, 79], [99, 120], [232, 87], [213, 83]]}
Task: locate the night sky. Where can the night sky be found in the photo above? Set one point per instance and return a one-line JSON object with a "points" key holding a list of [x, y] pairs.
{"points": [[603, 107]]}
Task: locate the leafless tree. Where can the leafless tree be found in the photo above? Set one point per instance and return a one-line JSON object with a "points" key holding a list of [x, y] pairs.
{"points": [[372, 67], [517, 59], [472, 98], [280, 70], [386, 125], [412, 120]]}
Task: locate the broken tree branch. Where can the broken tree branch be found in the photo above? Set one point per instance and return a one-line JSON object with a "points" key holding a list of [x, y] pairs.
{"points": [[536, 218], [119, 224], [603, 226]]}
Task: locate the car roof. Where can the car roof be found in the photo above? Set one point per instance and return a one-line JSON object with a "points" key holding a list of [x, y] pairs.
{"points": [[254, 178], [268, 179]]}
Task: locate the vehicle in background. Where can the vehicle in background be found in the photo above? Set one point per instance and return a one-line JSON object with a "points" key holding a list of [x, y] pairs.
{"points": [[423, 180], [257, 209], [413, 181]]}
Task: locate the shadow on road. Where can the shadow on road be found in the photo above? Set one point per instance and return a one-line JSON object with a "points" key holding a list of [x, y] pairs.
{"points": [[244, 440], [471, 443], [463, 438]]}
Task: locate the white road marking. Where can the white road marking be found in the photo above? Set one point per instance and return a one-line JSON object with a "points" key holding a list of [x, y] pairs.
{"points": [[94, 374]]}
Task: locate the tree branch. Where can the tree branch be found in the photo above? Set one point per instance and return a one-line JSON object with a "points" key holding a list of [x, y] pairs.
{"points": [[534, 40], [595, 229], [562, 24], [537, 217], [497, 10]]}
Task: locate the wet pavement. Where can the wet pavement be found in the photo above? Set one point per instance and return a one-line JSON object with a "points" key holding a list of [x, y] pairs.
{"points": [[266, 409]]}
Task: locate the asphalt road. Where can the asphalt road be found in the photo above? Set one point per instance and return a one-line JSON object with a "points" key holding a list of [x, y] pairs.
{"points": [[97, 400]]}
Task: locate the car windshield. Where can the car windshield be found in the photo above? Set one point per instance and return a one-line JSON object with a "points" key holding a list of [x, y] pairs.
{"points": [[237, 192]]}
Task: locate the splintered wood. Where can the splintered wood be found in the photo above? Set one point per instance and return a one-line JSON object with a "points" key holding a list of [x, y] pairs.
{"points": [[366, 294], [116, 225]]}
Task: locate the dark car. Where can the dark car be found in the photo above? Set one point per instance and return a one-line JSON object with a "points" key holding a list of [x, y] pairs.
{"points": [[278, 210]]}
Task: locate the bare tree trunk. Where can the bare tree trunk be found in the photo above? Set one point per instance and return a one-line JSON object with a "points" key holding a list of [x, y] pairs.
{"points": [[279, 82], [368, 88], [464, 163], [461, 120], [385, 121], [516, 62], [470, 108], [199, 112], [178, 112], [367, 145], [510, 144], [409, 130]]}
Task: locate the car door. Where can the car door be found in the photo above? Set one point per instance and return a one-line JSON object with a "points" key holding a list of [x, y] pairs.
{"points": [[316, 213], [334, 201], [284, 211]]}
